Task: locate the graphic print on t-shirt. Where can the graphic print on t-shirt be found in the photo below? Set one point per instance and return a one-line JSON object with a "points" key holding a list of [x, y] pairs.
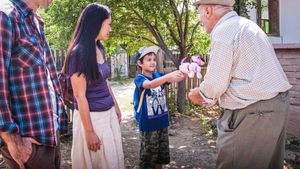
{"points": [[156, 103]]}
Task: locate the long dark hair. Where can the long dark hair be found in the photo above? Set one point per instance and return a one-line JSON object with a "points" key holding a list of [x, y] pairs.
{"points": [[82, 45]]}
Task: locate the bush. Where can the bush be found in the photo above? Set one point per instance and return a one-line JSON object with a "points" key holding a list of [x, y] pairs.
{"points": [[293, 143]]}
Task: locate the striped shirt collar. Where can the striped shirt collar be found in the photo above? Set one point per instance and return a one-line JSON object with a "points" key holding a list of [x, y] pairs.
{"points": [[23, 6], [27, 10], [222, 19]]}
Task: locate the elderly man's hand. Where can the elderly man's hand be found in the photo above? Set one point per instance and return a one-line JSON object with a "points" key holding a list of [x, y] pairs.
{"points": [[20, 148], [195, 97]]}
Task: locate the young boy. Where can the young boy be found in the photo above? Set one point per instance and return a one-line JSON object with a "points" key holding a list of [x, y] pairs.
{"points": [[151, 111]]}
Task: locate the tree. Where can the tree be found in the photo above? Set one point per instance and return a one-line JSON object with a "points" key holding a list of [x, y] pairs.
{"points": [[242, 7], [60, 20], [170, 24]]}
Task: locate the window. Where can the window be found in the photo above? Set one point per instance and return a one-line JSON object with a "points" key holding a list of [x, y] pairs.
{"points": [[267, 13]]}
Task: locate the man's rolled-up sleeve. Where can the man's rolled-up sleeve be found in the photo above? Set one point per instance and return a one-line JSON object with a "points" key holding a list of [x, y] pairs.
{"points": [[218, 75]]}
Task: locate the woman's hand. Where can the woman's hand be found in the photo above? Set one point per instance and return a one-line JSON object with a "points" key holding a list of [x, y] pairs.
{"points": [[93, 141], [119, 115]]}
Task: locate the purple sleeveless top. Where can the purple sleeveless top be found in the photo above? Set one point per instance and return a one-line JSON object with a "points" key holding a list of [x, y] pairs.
{"points": [[97, 92]]}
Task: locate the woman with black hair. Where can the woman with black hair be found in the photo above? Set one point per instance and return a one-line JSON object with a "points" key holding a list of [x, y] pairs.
{"points": [[96, 130]]}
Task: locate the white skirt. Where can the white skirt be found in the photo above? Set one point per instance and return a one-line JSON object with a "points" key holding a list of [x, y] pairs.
{"points": [[107, 128]]}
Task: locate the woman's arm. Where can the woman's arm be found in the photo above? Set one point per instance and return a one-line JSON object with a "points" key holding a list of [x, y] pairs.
{"points": [[119, 114], [79, 91]]}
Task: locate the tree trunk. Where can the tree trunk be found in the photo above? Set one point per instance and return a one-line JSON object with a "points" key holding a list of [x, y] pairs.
{"points": [[238, 9], [181, 96], [258, 13], [160, 61], [274, 17], [181, 90]]}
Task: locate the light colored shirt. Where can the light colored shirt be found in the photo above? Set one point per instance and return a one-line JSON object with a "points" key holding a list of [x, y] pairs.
{"points": [[243, 67]]}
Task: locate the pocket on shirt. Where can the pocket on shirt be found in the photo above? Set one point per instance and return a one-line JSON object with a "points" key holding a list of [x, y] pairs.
{"points": [[28, 54]]}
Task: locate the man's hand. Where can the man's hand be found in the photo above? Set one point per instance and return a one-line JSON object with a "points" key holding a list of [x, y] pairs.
{"points": [[19, 148], [195, 97]]}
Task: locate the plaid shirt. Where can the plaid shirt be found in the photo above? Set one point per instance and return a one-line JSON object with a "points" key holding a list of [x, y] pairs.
{"points": [[25, 102]]}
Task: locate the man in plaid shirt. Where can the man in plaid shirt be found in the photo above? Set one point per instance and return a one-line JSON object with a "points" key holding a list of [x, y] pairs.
{"points": [[31, 107]]}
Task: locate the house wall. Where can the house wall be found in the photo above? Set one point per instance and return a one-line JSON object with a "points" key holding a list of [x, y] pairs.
{"points": [[289, 57], [287, 47], [119, 64], [289, 22]]}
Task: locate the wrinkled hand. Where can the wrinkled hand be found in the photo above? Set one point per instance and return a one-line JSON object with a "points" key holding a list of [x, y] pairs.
{"points": [[195, 97], [176, 76], [93, 141], [207, 105], [20, 149]]}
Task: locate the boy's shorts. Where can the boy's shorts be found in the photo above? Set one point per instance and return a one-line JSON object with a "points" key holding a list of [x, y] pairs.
{"points": [[154, 148]]}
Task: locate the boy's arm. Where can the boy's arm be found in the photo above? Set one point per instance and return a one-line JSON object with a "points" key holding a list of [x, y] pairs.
{"points": [[175, 76], [156, 82], [179, 78]]}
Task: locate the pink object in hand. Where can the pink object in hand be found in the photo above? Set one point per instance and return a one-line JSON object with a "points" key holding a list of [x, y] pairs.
{"points": [[192, 68], [184, 67]]}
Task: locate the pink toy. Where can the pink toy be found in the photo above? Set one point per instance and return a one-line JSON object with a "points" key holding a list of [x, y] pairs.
{"points": [[192, 68]]}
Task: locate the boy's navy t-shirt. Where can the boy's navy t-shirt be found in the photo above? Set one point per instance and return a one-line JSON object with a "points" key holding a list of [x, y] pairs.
{"points": [[153, 114]]}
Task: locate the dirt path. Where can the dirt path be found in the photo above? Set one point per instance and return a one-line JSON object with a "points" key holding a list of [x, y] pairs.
{"points": [[189, 148]]}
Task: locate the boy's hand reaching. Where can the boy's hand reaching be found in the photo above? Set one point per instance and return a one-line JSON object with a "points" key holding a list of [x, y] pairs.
{"points": [[176, 76]]}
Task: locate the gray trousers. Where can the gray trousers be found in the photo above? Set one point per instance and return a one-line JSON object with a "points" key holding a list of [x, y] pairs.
{"points": [[253, 137]]}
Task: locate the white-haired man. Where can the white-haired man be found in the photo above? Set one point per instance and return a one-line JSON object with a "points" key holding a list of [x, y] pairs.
{"points": [[247, 80]]}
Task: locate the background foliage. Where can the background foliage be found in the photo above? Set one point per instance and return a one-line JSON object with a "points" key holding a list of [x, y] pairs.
{"points": [[170, 24], [130, 19]]}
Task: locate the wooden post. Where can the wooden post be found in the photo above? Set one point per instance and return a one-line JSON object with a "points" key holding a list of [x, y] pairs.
{"points": [[160, 61], [258, 12], [273, 6]]}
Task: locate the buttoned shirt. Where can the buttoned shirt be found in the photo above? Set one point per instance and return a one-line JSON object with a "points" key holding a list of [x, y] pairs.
{"points": [[243, 67], [25, 101]]}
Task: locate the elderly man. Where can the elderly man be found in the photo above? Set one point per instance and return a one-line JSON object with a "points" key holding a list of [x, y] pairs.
{"points": [[31, 110], [246, 78]]}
